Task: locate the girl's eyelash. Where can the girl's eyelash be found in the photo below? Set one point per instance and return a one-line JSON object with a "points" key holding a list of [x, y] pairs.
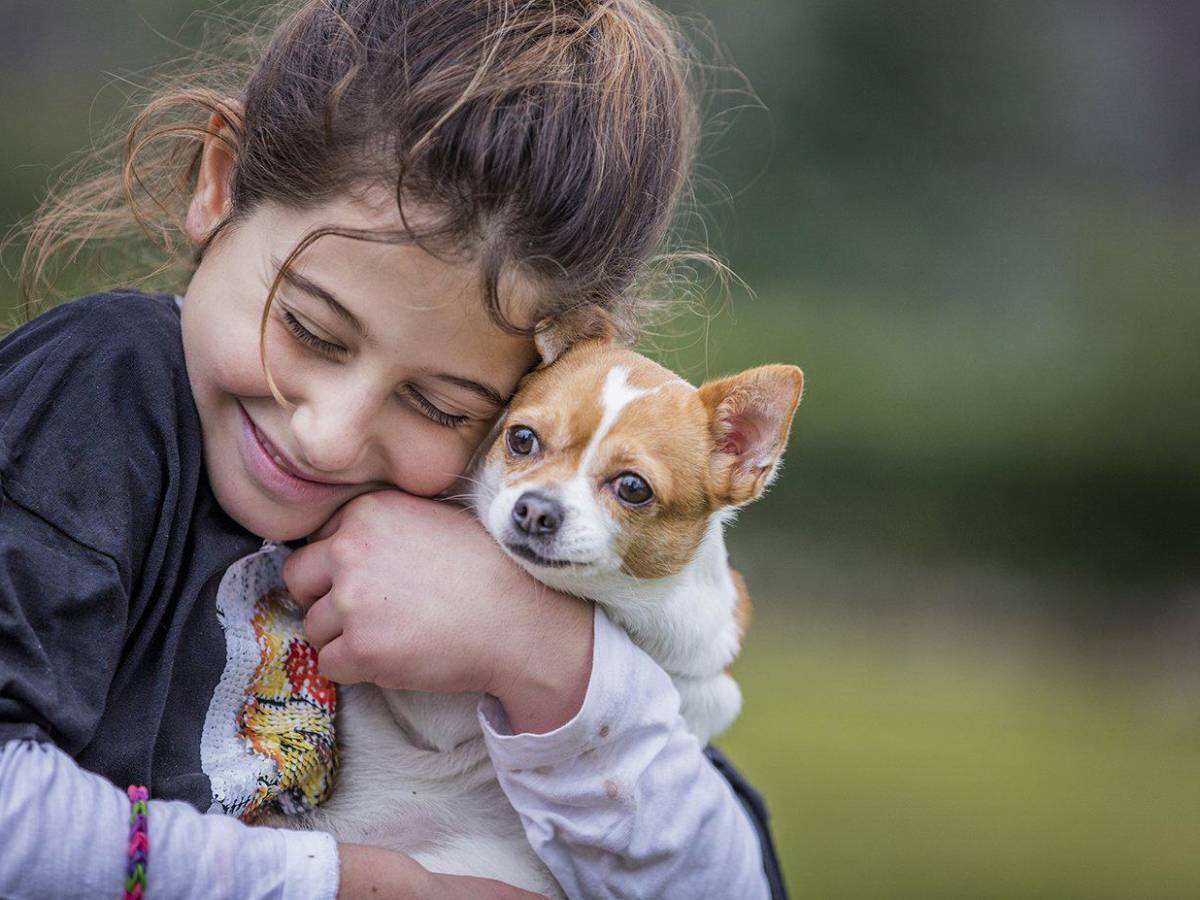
{"points": [[304, 336], [440, 416]]}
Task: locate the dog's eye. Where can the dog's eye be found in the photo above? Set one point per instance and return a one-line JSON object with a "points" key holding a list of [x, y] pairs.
{"points": [[634, 489], [522, 441]]}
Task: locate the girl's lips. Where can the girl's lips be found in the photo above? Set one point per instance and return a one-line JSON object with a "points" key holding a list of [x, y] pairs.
{"points": [[274, 473]]}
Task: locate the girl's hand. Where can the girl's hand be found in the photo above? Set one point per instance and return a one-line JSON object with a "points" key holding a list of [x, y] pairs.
{"points": [[414, 594], [388, 875]]}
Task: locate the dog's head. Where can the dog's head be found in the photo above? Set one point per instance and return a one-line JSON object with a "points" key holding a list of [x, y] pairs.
{"points": [[608, 463]]}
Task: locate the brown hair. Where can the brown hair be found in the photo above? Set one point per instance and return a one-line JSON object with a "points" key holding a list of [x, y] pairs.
{"points": [[553, 136]]}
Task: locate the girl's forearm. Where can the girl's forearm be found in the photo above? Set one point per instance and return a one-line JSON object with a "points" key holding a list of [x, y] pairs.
{"points": [[66, 834], [620, 800], [549, 666]]}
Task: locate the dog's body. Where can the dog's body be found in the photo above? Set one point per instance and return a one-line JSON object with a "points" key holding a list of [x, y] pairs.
{"points": [[611, 479]]}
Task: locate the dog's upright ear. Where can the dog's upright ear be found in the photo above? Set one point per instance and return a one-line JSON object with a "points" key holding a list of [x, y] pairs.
{"points": [[749, 417], [555, 335]]}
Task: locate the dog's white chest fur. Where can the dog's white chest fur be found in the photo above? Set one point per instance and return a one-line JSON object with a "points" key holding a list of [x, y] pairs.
{"points": [[415, 777]]}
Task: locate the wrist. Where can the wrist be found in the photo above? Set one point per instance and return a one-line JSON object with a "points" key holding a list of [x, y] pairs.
{"points": [[543, 683], [366, 871]]}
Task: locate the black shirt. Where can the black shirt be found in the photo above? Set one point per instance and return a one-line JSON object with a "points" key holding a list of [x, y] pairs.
{"points": [[111, 542]]}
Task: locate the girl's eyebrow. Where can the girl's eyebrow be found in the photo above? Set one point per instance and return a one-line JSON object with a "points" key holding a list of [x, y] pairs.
{"points": [[310, 287]]}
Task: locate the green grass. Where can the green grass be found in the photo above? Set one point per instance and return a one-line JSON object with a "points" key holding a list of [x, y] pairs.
{"points": [[893, 774]]}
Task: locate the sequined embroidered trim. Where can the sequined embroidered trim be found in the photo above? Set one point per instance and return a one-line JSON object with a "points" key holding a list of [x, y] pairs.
{"points": [[269, 734]]}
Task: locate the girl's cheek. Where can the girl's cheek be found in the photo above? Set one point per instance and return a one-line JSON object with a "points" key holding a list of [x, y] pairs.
{"points": [[431, 465], [227, 347], [288, 364]]}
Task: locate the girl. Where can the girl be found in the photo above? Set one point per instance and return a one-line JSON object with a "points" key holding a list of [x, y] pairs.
{"points": [[412, 187]]}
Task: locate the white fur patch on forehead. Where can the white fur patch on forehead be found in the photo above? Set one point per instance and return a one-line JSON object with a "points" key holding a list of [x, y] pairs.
{"points": [[616, 394]]}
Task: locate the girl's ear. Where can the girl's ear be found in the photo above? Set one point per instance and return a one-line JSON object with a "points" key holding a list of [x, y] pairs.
{"points": [[210, 200], [554, 336], [749, 416]]}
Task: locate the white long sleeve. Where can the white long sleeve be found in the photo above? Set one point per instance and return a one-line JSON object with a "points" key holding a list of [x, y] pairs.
{"points": [[620, 801], [64, 832]]}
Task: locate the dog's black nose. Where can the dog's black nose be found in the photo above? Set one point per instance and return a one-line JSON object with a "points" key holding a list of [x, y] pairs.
{"points": [[537, 514]]}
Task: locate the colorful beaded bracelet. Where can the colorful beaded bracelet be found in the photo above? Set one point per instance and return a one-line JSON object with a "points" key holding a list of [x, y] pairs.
{"points": [[139, 844]]}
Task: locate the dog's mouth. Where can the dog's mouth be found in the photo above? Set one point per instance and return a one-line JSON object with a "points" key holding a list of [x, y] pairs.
{"points": [[528, 554]]}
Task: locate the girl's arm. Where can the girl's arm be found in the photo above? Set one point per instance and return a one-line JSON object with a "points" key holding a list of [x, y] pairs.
{"points": [[66, 835], [621, 801]]}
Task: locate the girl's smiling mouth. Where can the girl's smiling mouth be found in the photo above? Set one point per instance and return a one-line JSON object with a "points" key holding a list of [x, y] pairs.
{"points": [[276, 474]]}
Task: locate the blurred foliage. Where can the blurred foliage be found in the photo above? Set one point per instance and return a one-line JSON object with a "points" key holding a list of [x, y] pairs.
{"points": [[974, 225]]}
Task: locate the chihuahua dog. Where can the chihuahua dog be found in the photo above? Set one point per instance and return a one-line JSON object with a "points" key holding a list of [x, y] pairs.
{"points": [[611, 478]]}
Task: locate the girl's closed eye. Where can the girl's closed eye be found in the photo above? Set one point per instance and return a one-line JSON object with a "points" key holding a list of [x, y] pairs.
{"points": [[306, 335], [433, 412]]}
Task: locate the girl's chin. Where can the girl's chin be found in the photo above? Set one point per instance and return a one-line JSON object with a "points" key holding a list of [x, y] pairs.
{"points": [[272, 521]]}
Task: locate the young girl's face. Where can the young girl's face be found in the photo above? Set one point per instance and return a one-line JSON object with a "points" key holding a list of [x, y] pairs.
{"points": [[392, 370]]}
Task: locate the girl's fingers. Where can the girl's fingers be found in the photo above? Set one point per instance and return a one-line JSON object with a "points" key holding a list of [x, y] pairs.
{"points": [[332, 663], [322, 623], [308, 574]]}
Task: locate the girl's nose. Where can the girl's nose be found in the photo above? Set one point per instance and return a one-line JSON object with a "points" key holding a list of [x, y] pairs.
{"points": [[332, 429]]}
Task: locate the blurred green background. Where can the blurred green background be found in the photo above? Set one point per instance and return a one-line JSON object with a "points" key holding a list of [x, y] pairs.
{"points": [[973, 666]]}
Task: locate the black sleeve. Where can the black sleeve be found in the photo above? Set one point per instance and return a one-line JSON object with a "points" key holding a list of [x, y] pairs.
{"points": [[63, 613], [87, 395], [89, 410], [752, 801]]}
